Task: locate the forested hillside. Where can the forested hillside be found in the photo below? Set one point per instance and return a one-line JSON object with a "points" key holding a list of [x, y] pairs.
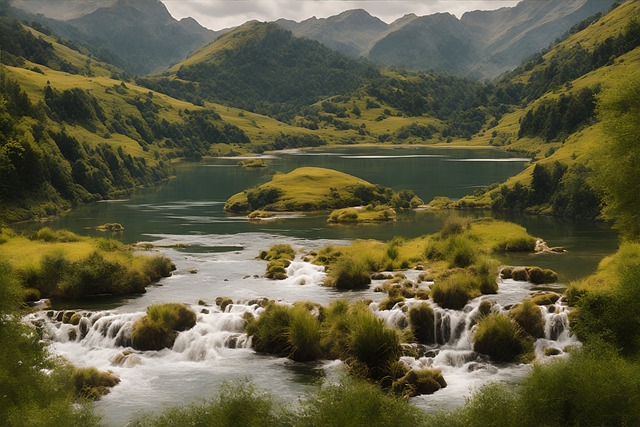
{"points": [[73, 132]]}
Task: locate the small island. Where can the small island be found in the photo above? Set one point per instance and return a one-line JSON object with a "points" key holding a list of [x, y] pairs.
{"points": [[312, 189]]}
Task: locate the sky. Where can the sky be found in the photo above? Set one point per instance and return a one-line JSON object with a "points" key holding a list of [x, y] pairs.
{"points": [[219, 14]]}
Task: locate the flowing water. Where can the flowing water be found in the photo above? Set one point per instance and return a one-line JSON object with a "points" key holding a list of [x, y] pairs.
{"points": [[215, 255]]}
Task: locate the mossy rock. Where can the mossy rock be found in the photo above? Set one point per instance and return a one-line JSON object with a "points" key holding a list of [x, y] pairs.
{"points": [[485, 307], [529, 316], [417, 382], [92, 384], [113, 227], [223, 302], [520, 274], [390, 302], [66, 317], [75, 319], [506, 272], [541, 276], [545, 298], [552, 351]]}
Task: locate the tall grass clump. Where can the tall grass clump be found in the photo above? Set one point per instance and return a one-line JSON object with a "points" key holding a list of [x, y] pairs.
{"points": [[336, 323], [234, 404], [303, 335], [422, 319], [501, 339], [279, 256], [354, 403], [456, 290], [529, 316], [349, 273], [373, 345], [159, 327], [486, 269], [516, 244], [49, 235], [454, 225]]}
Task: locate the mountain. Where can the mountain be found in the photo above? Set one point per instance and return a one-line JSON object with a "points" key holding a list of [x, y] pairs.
{"points": [[140, 33], [481, 44], [350, 32], [438, 42], [509, 35], [264, 68]]}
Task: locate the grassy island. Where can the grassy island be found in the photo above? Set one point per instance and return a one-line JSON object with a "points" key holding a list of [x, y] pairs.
{"points": [[311, 188]]}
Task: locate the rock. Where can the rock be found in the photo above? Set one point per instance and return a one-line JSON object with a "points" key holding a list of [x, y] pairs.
{"points": [[382, 276], [552, 351], [519, 274]]}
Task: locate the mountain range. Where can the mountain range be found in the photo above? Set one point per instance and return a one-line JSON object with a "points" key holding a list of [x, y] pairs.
{"points": [[142, 37]]}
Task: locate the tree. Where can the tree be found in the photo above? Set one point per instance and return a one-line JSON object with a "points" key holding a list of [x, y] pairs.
{"points": [[617, 160]]}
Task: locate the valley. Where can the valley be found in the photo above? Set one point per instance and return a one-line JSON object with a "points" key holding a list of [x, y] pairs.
{"points": [[507, 257]]}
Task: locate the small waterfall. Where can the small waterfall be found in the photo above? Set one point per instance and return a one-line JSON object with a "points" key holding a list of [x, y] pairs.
{"points": [[304, 273], [556, 322], [107, 330]]}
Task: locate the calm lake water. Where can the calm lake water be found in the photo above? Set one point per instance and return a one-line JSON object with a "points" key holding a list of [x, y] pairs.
{"points": [[222, 248]]}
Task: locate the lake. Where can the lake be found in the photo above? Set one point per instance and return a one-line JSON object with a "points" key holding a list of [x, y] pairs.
{"points": [[222, 250]]}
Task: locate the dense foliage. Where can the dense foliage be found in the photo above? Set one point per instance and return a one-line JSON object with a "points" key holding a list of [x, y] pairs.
{"points": [[271, 72]]}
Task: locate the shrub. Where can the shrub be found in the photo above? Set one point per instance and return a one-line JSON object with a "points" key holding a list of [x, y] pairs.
{"points": [[157, 267], [455, 291], [235, 404], [462, 252], [303, 335], [354, 402], [455, 224], [421, 319], [373, 344], [174, 316], [500, 338], [349, 273], [270, 330], [487, 271], [158, 329], [91, 383], [529, 317]]}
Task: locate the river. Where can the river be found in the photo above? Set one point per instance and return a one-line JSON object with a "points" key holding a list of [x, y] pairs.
{"points": [[217, 257]]}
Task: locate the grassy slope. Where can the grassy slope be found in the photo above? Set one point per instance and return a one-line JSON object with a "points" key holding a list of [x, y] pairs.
{"points": [[578, 146]]}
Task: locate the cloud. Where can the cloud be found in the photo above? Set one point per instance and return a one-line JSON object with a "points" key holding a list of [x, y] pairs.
{"points": [[218, 14]]}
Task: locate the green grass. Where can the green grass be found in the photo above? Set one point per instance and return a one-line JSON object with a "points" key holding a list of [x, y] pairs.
{"points": [[370, 213], [501, 339], [159, 327], [455, 291]]}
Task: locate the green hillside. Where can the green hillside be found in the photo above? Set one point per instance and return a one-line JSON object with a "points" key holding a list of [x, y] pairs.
{"points": [[560, 128], [264, 68]]}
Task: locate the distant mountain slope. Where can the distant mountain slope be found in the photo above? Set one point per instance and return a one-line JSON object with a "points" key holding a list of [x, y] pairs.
{"points": [[350, 32], [482, 44], [264, 68], [141, 33]]}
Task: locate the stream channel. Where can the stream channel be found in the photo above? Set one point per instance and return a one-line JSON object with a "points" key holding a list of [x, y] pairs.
{"points": [[187, 211]]}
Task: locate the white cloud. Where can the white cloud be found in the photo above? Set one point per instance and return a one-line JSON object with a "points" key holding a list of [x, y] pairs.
{"points": [[218, 14]]}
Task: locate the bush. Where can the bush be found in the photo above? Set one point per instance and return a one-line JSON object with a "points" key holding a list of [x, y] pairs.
{"points": [[500, 338], [421, 319], [239, 404], [487, 271], [455, 291], [158, 329], [455, 224], [371, 343], [462, 252], [529, 316], [303, 335], [353, 403], [349, 273], [270, 330]]}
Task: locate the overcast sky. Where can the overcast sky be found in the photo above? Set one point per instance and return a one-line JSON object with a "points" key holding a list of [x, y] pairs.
{"points": [[219, 14]]}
